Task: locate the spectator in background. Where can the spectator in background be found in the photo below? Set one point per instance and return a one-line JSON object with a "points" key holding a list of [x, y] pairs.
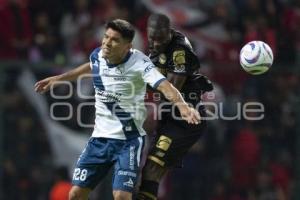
{"points": [[45, 40], [16, 30], [289, 32], [72, 25], [103, 10], [62, 185], [115, 9], [21, 176], [259, 29], [263, 187], [245, 158]]}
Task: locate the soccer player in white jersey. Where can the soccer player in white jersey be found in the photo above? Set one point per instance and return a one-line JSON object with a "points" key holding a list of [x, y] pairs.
{"points": [[120, 75]]}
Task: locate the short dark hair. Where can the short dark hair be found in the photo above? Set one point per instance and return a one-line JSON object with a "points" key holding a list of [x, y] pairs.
{"points": [[158, 21], [123, 27]]}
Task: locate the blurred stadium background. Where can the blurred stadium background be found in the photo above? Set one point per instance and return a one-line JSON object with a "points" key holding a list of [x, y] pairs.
{"points": [[235, 160]]}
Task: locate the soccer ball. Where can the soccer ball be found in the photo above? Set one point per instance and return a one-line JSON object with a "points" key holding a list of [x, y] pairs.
{"points": [[256, 57]]}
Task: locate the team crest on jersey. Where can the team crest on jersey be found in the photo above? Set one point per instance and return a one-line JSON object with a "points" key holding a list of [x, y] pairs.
{"points": [[179, 68], [179, 57], [162, 58]]}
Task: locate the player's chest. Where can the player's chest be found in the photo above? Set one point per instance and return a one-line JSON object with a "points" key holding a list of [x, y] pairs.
{"points": [[168, 62], [163, 62], [118, 77]]}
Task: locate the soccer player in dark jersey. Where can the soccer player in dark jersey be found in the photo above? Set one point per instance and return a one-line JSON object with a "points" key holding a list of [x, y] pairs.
{"points": [[173, 56]]}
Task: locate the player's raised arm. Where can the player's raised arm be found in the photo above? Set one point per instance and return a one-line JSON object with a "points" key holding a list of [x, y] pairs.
{"points": [[45, 84], [189, 114]]}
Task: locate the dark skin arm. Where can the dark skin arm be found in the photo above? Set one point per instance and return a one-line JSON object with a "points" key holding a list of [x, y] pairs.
{"points": [[176, 80], [189, 114]]}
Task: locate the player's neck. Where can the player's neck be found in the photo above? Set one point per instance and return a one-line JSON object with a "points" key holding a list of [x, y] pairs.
{"points": [[118, 60]]}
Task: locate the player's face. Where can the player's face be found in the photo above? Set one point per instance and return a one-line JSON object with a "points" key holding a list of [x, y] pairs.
{"points": [[114, 46], [158, 39]]}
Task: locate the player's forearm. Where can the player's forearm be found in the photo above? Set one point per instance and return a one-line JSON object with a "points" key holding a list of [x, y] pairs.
{"points": [[189, 114], [176, 80], [172, 94], [75, 73]]}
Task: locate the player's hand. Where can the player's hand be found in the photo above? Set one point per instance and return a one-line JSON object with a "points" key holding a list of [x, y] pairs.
{"points": [[44, 85], [189, 114]]}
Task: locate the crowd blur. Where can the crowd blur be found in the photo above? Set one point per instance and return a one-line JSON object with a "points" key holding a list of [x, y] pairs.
{"points": [[237, 159]]}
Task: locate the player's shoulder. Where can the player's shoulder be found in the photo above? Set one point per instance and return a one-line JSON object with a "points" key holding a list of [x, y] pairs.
{"points": [[180, 42], [181, 50], [138, 54], [142, 62], [178, 54], [140, 57], [95, 52], [181, 47]]}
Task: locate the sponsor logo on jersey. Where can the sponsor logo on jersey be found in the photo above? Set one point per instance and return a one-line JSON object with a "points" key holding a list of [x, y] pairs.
{"points": [[164, 143], [179, 57], [129, 183], [120, 78], [179, 68], [131, 157], [126, 173], [105, 96], [179, 60], [148, 68], [145, 60], [115, 73]]}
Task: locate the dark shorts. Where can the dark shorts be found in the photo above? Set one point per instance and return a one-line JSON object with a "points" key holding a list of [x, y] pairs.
{"points": [[173, 140]]}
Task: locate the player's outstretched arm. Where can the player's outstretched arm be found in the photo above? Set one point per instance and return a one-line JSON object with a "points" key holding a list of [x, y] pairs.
{"points": [[44, 85], [189, 114]]}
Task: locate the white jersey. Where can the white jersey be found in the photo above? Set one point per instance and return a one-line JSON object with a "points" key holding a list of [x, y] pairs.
{"points": [[119, 94]]}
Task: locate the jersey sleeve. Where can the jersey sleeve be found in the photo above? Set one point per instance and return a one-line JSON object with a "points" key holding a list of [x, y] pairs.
{"points": [[94, 56], [150, 74]]}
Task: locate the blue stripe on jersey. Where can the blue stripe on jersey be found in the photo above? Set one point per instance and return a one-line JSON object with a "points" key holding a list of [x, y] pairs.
{"points": [[158, 82], [129, 128], [96, 68]]}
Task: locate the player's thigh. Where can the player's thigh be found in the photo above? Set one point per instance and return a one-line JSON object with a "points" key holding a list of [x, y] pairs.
{"points": [[173, 142], [77, 192], [122, 195], [153, 171], [127, 165], [150, 124], [93, 164]]}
